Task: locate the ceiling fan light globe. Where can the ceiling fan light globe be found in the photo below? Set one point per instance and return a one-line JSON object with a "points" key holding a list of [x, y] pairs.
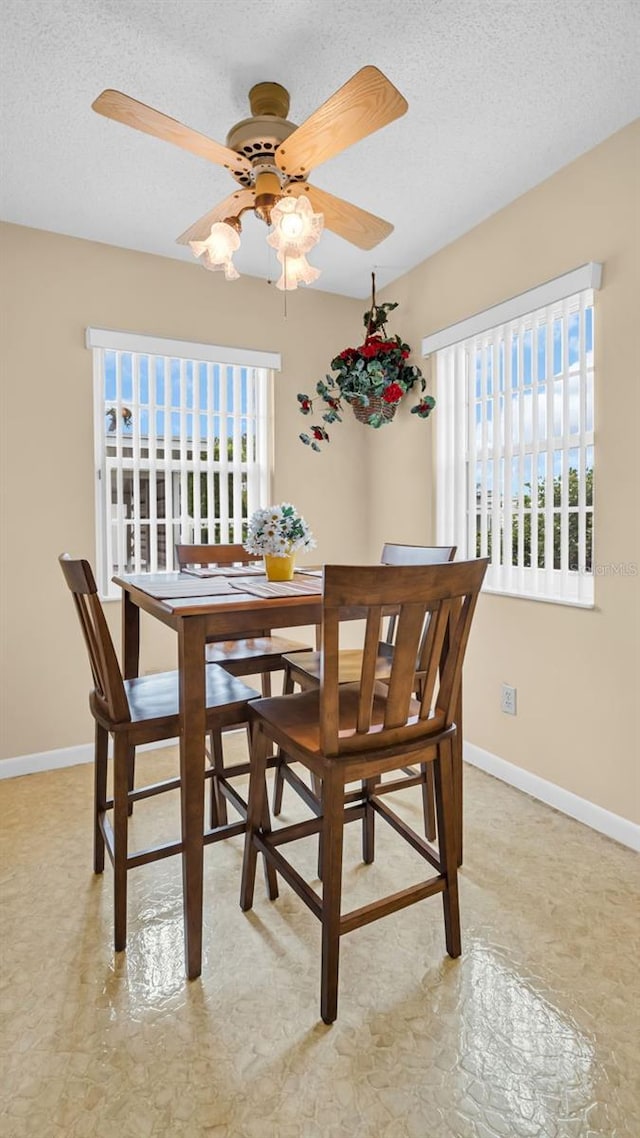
{"points": [[296, 228], [295, 271], [223, 241], [228, 267], [291, 225], [218, 249]]}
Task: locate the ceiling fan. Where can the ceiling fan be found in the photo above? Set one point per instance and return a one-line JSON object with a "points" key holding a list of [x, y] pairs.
{"points": [[271, 158]]}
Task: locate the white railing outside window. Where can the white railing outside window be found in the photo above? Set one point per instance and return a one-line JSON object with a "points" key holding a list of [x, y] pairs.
{"points": [[515, 440], [181, 446]]}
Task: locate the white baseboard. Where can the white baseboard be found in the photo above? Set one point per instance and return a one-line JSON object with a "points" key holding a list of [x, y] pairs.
{"points": [[64, 757], [613, 825], [70, 757]]}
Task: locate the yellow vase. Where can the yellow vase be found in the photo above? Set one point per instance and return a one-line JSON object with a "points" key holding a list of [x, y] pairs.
{"points": [[279, 568]]}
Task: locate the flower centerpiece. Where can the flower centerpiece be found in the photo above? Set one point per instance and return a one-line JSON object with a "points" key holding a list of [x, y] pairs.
{"points": [[373, 378], [278, 532]]}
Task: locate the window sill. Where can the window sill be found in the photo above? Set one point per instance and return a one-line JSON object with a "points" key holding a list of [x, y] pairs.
{"points": [[570, 602]]}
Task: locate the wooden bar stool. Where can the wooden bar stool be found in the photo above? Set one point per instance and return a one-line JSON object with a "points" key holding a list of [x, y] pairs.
{"points": [[133, 712], [303, 669], [343, 733]]}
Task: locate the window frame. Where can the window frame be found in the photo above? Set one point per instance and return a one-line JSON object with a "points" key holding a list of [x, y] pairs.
{"points": [[262, 364], [458, 458]]}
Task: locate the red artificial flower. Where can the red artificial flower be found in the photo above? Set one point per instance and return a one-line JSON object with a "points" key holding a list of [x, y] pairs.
{"points": [[393, 393], [347, 354], [318, 433], [405, 355]]}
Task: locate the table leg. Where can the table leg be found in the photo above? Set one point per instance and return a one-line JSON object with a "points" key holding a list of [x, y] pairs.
{"points": [[191, 647], [130, 637], [456, 756]]}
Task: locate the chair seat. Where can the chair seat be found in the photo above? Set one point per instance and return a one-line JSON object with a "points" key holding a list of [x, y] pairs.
{"points": [[297, 718], [251, 648], [349, 664], [157, 696]]}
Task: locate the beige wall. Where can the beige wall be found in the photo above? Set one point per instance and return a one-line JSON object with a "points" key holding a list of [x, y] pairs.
{"points": [[577, 672], [52, 288]]}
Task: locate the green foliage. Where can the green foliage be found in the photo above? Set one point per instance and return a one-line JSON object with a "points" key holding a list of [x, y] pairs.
{"points": [[534, 507], [375, 318], [212, 509]]}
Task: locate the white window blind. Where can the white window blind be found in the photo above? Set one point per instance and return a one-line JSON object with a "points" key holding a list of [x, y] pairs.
{"points": [[181, 445], [515, 440]]}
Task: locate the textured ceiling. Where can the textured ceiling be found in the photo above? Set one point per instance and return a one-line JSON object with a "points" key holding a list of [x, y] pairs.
{"points": [[501, 94]]}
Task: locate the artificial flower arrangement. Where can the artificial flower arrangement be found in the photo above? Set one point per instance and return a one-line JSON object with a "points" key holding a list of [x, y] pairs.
{"points": [[373, 378], [278, 531]]}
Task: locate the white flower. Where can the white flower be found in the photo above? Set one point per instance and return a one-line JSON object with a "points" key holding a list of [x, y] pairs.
{"points": [[278, 530]]}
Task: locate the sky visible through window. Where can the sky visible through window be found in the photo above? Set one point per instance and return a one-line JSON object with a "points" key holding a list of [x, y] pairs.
{"points": [[167, 375], [541, 338], [490, 404]]}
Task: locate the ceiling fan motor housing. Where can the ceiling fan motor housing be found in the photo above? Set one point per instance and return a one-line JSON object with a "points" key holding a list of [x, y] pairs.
{"points": [[258, 137], [269, 99]]}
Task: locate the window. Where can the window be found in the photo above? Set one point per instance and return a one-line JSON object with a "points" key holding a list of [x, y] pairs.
{"points": [[181, 447], [515, 438]]}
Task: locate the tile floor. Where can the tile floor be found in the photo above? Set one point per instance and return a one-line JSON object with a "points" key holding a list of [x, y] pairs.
{"points": [[533, 1033]]}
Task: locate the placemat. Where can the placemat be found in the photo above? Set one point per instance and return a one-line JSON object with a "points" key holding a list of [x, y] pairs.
{"points": [[164, 590], [298, 588], [225, 570]]}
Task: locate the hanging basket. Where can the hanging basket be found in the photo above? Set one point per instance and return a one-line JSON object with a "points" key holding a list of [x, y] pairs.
{"points": [[375, 406], [381, 365]]}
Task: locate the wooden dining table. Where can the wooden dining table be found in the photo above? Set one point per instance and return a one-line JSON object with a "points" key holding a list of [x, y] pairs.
{"points": [[199, 609]]}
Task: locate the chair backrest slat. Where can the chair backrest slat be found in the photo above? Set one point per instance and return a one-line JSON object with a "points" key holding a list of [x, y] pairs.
{"points": [[459, 628], [431, 654], [329, 680], [368, 674], [89, 631], [107, 677], [402, 682], [202, 555], [440, 597]]}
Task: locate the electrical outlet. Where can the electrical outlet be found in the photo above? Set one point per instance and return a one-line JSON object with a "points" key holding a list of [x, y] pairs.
{"points": [[508, 701]]}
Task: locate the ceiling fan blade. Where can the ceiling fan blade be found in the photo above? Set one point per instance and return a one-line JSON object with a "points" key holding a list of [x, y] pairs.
{"points": [[230, 207], [349, 221], [366, 102], [124, 109]]}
